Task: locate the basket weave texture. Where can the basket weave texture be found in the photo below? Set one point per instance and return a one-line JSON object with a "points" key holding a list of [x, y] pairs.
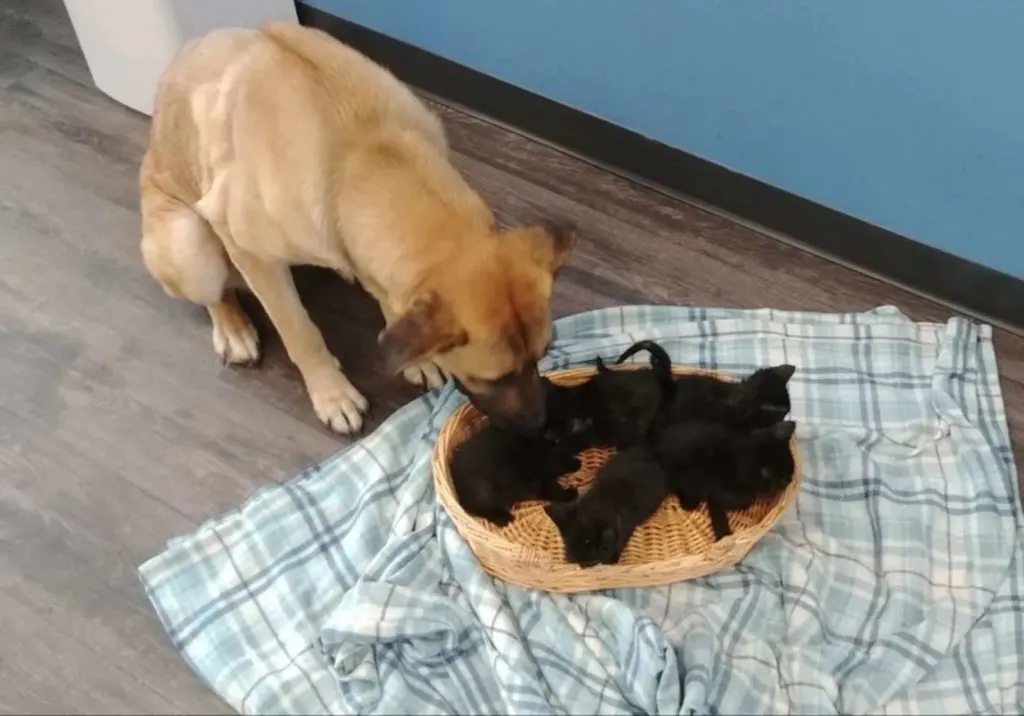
{"points": [[673, 546]]}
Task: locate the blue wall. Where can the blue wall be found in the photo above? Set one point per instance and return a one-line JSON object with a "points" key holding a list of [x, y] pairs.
{"points": [[908, 114]]}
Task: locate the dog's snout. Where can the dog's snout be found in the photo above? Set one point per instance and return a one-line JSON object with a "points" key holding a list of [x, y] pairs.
{"points": [[536, 417], [532, 401], [520, 411], [519, 404]]}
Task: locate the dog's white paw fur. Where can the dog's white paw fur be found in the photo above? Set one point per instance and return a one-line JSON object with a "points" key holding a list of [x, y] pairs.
{"points": [[235, 340], [425, 375], [337, 402]]}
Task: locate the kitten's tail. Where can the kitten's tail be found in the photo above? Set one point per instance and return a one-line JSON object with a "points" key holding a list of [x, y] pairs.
{"points": [[659, 357], [661, 364], [719, 519]]}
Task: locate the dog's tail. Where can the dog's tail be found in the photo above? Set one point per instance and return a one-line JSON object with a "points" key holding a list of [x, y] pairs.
{"points": [[661, 364]]}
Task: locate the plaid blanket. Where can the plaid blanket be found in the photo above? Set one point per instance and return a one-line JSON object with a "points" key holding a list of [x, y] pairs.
{"points": [[894, 585]]}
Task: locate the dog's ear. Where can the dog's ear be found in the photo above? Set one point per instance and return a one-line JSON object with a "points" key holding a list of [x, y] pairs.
{"points": [[563, 241], [426, 329], [550, 243]]}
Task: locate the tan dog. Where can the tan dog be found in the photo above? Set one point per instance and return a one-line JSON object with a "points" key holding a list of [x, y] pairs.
{"points": [[282, 146]]}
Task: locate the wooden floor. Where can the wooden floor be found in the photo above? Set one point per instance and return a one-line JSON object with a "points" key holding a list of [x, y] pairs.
{"points": [[118, 428]]}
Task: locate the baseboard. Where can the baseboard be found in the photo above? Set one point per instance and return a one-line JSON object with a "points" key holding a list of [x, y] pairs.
{"points": [[971, 287]]}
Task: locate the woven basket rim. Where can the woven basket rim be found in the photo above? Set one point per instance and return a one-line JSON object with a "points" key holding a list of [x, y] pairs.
{"points": [[520, 564]]}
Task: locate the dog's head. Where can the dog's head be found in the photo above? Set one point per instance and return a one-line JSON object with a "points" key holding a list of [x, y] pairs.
{"points": [[484, 316]]}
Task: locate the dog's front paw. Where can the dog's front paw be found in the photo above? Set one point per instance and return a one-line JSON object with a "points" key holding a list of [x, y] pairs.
{"points": [[337, 402], [425, 375]]}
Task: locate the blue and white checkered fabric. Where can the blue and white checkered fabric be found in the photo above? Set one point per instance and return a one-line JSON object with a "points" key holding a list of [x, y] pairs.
{"points": [[894, 586]]}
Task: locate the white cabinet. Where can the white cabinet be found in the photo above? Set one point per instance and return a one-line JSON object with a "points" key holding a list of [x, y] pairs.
{"points": [[128, 43]]}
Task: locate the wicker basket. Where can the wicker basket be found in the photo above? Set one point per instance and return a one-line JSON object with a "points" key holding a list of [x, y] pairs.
{"points": [[673, 546]]}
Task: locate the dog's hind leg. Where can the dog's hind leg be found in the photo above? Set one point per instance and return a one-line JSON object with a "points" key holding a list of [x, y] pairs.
{"points": [[181, 252]]}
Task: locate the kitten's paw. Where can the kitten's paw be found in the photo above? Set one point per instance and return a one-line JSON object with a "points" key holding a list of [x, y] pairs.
{"points": [[687, 502], [554, 492], [567, 494], [571, 465], [500, 517]]}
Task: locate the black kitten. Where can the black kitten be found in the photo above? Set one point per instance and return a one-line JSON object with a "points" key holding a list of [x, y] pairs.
{"points": [[496, 469], [759, 400], [765, 395], [729, 469], [625, 405], [569, 424], [626, 492]]}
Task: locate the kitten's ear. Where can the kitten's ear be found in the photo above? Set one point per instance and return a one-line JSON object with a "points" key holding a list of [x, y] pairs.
{"points": [[781, 373], [782, 431], [775, 375], [601, 367]]}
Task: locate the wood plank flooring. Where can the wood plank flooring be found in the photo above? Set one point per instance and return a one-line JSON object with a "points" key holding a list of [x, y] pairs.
{"points": [[118, 428]]}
